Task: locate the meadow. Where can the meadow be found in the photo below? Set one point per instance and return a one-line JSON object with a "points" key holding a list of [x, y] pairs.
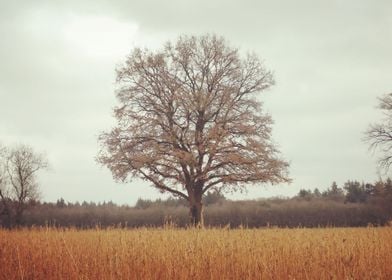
{"points": [[171, 253]]}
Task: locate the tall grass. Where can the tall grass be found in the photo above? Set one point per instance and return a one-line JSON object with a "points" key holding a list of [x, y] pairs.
{"points": [[329, 253]]}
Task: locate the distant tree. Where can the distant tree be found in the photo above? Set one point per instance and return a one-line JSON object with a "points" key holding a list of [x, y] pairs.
{"points": [[5, 201], [388, 186], [370, 189], [334, 192], [355, 192], [19, 185], [189, 121], [143, 203], [174, 202], [169, 202], [212, 197], [316, 193], [61, 203], [378, 189], [379, 135], [305, 194], [388, 195]]}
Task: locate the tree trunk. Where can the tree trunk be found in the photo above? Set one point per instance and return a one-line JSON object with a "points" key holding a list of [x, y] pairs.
{"points": [[19, 214], [195, 195], [196, 214]]}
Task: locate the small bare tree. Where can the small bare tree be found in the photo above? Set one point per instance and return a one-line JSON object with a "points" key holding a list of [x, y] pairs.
{"points": [[4, 196], [189, 121], [379, 135], [18, 184]]}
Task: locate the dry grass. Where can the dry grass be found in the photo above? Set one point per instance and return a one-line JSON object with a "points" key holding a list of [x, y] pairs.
{"points": [[364, 253]]}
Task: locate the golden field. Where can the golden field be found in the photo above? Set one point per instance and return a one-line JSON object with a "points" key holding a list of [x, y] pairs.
{"points": [[331, 253]]}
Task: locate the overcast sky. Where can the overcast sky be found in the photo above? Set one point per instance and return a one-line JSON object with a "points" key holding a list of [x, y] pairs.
{"points": [[331, 60]]}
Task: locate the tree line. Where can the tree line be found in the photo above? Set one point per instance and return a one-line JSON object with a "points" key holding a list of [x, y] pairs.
{"points": [[353, 192], [354, 204]]}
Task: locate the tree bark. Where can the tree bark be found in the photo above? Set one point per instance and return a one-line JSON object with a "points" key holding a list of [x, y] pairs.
{"points": [[196, 206], [196, 214]]}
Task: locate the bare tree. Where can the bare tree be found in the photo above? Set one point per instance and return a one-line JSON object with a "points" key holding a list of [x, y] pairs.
{"points": [[18, 184], [189, 121], [4, 195], [379, 135]]}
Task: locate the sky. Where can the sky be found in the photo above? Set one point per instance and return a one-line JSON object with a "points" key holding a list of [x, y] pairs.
{"points": [[331, 60]]}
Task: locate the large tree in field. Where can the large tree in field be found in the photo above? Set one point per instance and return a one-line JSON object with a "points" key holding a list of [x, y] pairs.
{"points": [[188, 121], [379, 135]]}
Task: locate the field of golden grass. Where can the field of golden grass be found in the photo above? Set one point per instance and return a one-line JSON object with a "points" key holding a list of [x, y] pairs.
{"points": [[332, 253]]}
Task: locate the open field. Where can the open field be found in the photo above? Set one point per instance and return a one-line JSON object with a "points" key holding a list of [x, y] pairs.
{"points": [[332, 253]]}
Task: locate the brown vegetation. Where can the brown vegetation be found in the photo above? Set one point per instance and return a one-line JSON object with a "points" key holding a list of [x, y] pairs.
{"points": [[343, 253]]}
